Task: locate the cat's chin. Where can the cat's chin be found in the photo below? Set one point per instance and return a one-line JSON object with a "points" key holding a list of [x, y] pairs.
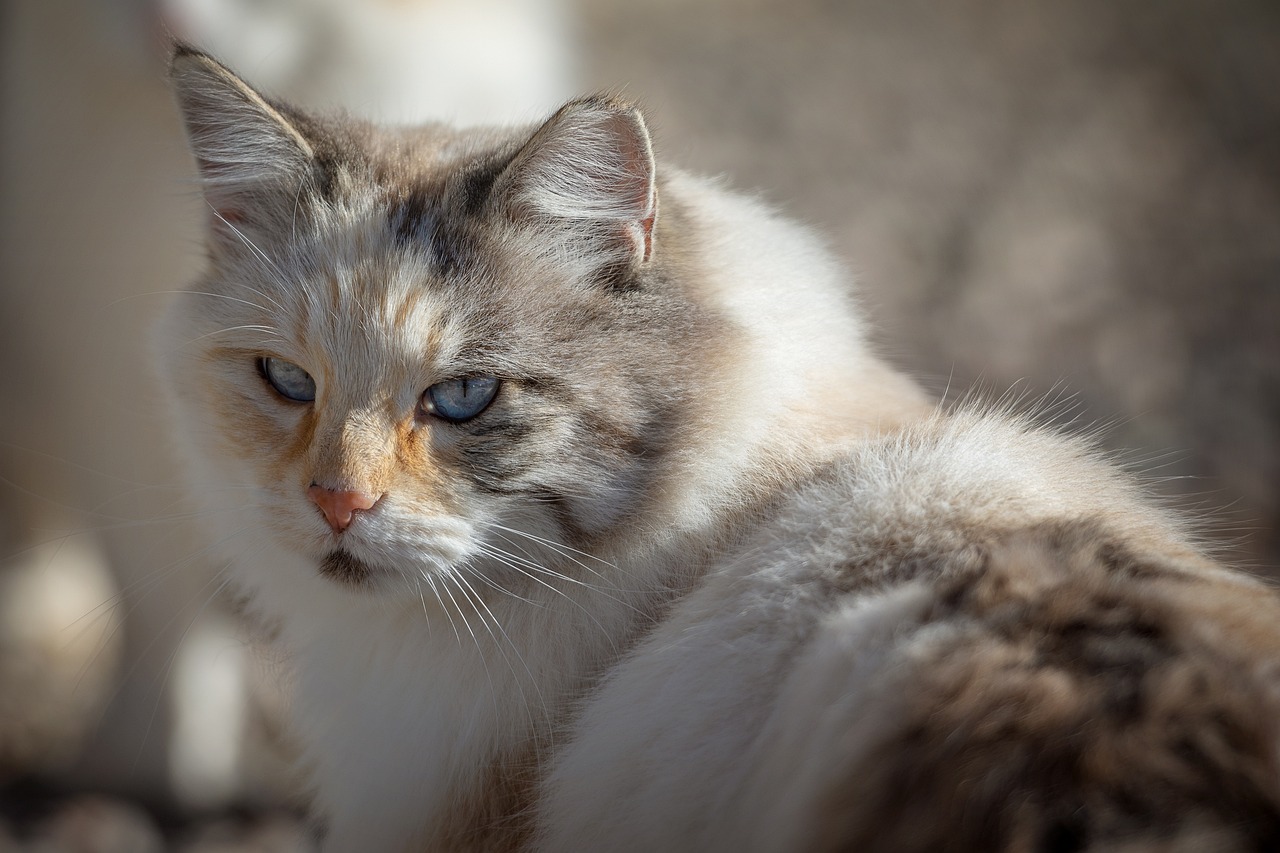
{"points": [[344, 568]]}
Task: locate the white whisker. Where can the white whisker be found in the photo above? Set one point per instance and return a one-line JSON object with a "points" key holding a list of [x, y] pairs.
{"points": [[422, 596], [505, 559], [475, 596], [436, 592], [253, 246]]}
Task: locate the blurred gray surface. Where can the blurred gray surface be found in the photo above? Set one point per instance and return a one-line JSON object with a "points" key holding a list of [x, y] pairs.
{"points": [[1066, 198]]}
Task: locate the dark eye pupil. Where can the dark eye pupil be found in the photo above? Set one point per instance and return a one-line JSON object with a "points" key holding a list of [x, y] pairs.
{"points": [[461, 399]]}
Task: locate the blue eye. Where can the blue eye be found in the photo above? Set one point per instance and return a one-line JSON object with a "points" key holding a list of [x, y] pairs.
{"points": [[457, 400], [291, 381]]}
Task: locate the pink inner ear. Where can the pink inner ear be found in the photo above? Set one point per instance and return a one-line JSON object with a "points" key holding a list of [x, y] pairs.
{"points": [[646, 230], [638, 184]]}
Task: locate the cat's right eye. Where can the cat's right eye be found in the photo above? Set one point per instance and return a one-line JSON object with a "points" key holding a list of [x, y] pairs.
{"points": [[289, 380], [461, 399]]}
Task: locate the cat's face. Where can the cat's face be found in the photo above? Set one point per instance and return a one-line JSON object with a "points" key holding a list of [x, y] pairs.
{"points": [[414, 351]]}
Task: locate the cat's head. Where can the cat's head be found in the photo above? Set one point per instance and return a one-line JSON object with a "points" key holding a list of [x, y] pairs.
{"points": [[411, 343]]}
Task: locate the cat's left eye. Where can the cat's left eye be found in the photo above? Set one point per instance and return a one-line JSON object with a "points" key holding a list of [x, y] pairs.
{"points": [[457, 400], [289, 380]]}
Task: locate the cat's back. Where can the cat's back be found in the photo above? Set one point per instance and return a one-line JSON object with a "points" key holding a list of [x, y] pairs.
{"points": [[967, 634]]}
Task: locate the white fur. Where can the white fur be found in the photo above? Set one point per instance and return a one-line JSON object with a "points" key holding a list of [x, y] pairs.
{"points": [[402, 700]]}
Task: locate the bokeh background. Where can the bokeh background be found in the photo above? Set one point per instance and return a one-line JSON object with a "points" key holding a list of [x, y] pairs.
{"points": [[1077, 201]]}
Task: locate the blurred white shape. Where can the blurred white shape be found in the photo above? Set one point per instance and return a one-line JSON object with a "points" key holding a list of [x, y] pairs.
{"points": [[465, 61], [60, 646], [210, 707]]}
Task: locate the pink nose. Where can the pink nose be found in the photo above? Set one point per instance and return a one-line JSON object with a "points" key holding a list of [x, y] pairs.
{"points": [[339, 506]]}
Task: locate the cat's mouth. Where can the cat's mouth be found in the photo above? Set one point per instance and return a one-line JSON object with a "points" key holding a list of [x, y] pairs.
{"points": [[346, 568]]}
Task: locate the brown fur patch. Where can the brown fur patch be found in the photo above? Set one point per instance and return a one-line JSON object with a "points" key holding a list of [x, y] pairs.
{"points": [[496, 816], [1077, 707]]}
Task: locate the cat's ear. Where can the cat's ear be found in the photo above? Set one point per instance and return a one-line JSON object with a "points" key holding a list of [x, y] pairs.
{"points": [[589, 172], [247, 151]]}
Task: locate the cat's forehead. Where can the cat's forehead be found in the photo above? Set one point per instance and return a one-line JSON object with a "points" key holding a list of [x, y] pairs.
{"points": [[382, 297], [370, 299], [410, 195]]}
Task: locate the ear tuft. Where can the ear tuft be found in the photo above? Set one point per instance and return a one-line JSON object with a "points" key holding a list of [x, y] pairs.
{"points": [[243, 145], [589, 170]]}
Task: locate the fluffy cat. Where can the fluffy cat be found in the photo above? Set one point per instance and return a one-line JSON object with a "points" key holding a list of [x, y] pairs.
{"points": [[591, 522]]}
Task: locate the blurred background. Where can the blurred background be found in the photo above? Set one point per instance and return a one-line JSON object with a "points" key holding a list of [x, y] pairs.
{"points": [[1073, 200]]}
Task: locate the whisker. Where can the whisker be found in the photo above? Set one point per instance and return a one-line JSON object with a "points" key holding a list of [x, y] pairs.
{"points": [[436, 592], [484, 662], [422, 596], [461, 615], [247, 327], [501, 557], [244, 239], [497, 586], [475, 596], [563, 553], [493, 550], [202, 293], [557, 546]]}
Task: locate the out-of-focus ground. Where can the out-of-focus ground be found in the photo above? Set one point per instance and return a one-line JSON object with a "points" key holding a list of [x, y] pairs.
{"points": [[1078, 199]]}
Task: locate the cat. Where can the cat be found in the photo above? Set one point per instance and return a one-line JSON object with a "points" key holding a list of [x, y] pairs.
{"points": [[85, 504], [590, 520]]}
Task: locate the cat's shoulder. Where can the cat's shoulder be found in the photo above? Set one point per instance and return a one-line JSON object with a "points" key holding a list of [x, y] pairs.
{"points": [[970, 573]]}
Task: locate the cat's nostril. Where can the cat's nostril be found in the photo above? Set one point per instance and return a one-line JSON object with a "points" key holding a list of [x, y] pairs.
{"points": [[339, 505]]}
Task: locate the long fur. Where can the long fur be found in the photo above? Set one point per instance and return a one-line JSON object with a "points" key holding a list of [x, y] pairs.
{"points": [[696, 577]]}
